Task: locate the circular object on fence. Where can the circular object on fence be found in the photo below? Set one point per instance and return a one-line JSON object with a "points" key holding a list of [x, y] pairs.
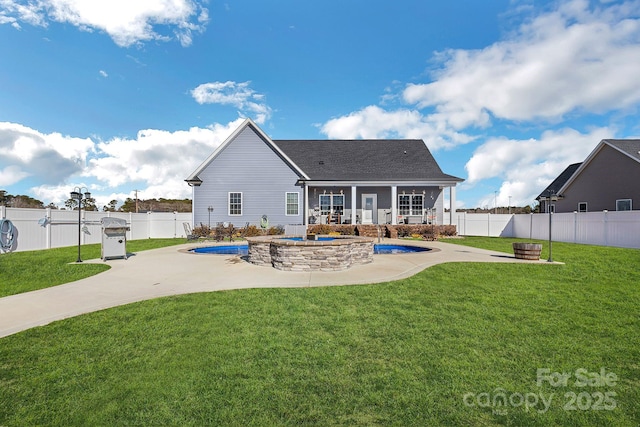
{"points": [[530, 251]]}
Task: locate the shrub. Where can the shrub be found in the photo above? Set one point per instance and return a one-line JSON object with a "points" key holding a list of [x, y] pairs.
{"points": [[202, 231], [275, 230], [252, 231], [320, 229], [345, 230], [447, 230]]}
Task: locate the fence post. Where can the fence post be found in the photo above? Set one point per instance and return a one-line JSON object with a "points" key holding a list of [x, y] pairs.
{"points": [[130, 226], [175, 224], [3, 212], [149, 225], [531, 226], [606, 227], [488, 224], [575, 226], [47, 228]]}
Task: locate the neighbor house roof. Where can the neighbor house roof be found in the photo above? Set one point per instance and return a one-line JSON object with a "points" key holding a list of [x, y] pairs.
{"points": [[628, 147], [559, 182], [365, 160]]}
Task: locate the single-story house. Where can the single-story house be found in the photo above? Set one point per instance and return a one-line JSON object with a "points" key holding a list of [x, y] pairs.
{"points": [[607, 180], [299, 182]]}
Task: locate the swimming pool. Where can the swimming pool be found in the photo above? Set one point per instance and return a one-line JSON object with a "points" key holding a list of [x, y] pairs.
{"points": [[378, 249], [383, 249]]}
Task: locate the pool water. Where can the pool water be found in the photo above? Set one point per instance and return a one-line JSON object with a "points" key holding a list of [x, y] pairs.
{"points": [[380, 249], [223, 250]]}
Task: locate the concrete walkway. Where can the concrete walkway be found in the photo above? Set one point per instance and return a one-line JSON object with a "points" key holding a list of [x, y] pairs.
{"points": [[172, 271]]}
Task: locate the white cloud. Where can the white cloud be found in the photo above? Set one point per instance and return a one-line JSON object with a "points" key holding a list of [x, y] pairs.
{"points": [[49, 158], [239, 95], [527, 167], [156, 162], [12, 174], [126, 22], [103, 73], [156, 157], [570, 59], [373, 122]]}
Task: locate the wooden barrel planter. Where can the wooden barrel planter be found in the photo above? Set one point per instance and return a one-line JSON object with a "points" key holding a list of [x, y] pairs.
{"points": [[530, 251]]}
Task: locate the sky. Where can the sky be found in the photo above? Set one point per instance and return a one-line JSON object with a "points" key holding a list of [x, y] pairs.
{"points": [[119, 96]]}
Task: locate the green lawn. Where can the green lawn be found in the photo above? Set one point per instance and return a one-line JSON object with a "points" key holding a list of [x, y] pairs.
{"points": [[439, 348], [56, 266]]}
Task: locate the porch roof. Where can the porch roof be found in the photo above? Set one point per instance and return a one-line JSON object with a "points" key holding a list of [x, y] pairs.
{"points": [[390, 160]]}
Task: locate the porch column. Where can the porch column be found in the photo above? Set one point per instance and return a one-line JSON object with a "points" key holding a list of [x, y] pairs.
{"points": [[353, 205], [452, 204], [306, 205], [394, 205]]}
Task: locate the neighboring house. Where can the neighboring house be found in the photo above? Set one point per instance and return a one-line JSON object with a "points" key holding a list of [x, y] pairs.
{"points": [[609, 179], [318, 181]]}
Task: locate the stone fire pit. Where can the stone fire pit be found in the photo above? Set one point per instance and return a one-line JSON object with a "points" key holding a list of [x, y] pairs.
{"points": [[295, 253]]}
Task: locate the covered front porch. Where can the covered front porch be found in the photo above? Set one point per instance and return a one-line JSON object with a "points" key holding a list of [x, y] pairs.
{"points": [[376, 203]]}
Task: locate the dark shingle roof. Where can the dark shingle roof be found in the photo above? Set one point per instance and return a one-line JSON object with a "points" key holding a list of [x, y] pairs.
{"points": [[364, 160], [629, 146], [557, 183]]}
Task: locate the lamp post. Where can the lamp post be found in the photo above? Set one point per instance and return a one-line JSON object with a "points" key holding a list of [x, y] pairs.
{"points": [[210, 209], [77, 194], [552, 197]]}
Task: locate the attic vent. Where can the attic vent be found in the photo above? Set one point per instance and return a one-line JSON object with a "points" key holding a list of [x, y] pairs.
{"points": [[321, 162]]}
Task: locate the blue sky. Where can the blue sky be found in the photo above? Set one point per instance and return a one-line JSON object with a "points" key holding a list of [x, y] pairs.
{"points": [[119, 96]]}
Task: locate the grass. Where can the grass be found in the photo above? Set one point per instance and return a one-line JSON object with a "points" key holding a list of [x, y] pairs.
{"points": [[400, 353], [57, 266]]}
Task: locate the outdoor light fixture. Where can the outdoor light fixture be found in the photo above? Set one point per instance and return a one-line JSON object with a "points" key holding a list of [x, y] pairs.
{"points": [[77, 194], [551, 197], [210, 209]]}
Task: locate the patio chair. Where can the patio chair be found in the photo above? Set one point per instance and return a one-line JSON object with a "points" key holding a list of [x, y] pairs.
{"points": [[189, 232]]}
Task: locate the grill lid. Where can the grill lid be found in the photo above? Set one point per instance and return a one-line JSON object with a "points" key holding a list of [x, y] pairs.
{"points": [[108, 222]]}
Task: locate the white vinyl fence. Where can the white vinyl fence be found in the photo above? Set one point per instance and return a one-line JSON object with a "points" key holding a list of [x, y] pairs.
{"points": [[620, 229], [34, 229]]}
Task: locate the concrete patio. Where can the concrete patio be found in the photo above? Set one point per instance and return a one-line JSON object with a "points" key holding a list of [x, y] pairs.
{"points": [[173, 271]]}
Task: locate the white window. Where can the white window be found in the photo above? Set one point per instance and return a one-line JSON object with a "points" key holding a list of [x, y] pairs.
{"points": [[623, 205], [331, 203], [235, 204], [292, 205], [582, 207], [410, 204]]}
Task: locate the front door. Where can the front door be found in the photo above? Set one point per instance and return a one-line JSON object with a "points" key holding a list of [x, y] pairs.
{"points": [[369, 208]]}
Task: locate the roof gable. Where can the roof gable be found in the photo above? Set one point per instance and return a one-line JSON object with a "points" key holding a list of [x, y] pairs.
{"points": [[628, 147], [365, 160], [559, 182], [193, 179]]}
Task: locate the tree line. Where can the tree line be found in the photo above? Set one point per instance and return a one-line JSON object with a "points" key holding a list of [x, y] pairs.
{"points": [[129, 205]]}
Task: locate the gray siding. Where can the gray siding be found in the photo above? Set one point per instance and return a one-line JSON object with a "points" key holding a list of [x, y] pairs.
{"points": [[249, 166], [609, 176]]}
